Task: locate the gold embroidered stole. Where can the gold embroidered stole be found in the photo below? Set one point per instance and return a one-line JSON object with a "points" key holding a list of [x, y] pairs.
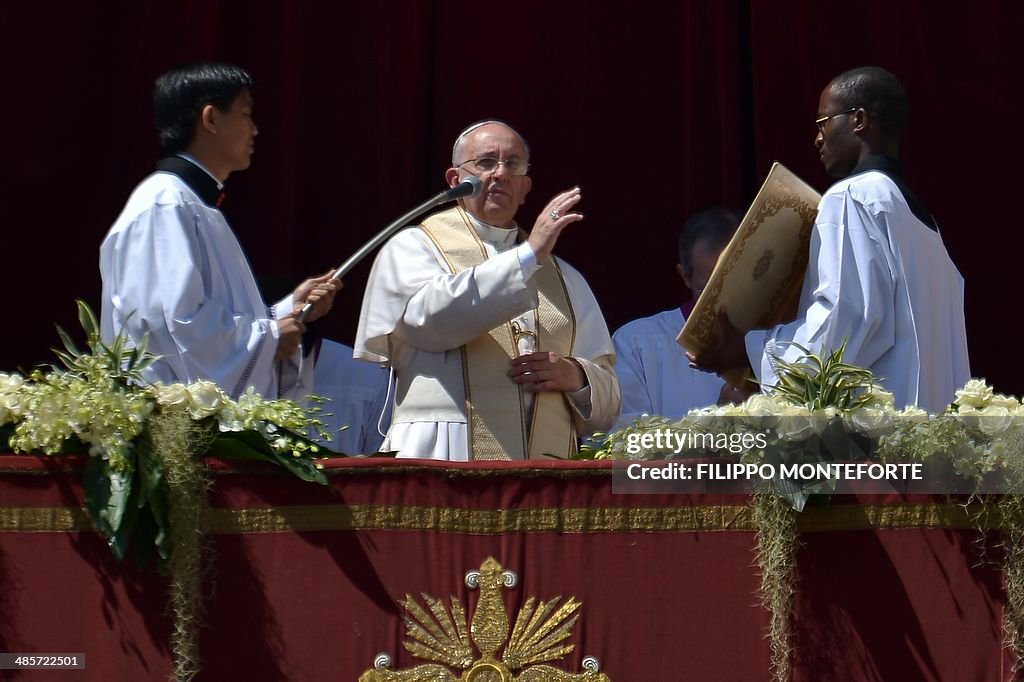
{"points": [[495, 405]]}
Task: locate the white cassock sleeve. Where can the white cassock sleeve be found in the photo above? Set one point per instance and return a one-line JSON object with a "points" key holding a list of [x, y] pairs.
{"points": [[848, 294], [629, 365], [185, 282], [415, 298]]}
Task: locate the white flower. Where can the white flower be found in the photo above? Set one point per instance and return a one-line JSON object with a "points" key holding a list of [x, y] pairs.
{"points": [[795, 423], [10, 401], [800, 423], [975, 393], [880, 398], [873, 422], [205, 399], [914, 414], [1000, 400], [10, 383], [174, 395], [996, 420], [822, 418], [968, 415], [760, 412]]}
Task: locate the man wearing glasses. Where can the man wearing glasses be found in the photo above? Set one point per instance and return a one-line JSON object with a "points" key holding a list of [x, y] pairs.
{"points": [[499, 348], [879, 275]]}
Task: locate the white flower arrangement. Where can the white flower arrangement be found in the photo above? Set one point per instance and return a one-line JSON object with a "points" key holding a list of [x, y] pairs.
{"points": [[100, 403], [827, 410]]}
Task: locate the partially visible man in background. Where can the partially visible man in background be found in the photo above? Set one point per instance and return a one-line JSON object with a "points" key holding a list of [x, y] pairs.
{"points": [[654, 373]]}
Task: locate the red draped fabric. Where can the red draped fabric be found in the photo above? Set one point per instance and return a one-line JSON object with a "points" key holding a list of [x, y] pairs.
{"points": [[305, 580], [655, 110]]}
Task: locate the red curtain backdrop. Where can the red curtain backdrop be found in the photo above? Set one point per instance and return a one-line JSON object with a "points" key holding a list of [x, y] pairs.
{"points": [[655, 110]]}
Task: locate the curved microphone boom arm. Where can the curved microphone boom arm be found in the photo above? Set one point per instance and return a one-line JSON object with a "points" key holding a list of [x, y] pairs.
{"points": [[470, 187]]}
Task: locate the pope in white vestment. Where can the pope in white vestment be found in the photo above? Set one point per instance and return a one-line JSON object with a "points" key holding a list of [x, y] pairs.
{"points": [[498, 348], [417, 315], [173, 269], [654, 373], [881, 279]]}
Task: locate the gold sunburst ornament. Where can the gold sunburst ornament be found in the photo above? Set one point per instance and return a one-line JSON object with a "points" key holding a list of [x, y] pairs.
{"points": [[440, 635]]}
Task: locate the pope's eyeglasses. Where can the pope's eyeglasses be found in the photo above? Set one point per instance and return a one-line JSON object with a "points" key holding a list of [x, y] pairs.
{"points": [[489, 164]]}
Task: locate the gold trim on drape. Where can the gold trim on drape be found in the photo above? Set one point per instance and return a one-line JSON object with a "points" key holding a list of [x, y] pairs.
{"points": [[713, 518]]}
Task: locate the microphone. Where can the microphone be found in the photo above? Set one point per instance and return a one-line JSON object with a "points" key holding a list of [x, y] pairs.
{"points": [[468, 188]]}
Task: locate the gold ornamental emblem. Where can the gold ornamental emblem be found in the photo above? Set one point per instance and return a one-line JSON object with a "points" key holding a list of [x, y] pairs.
{"points": [[439, 634]]}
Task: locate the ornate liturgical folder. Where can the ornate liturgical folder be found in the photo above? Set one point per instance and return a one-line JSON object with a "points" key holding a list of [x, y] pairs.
{"points": [[759, 275]]}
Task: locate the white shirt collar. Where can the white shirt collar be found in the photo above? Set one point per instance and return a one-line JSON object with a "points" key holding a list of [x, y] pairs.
{"points": [[501, 238]]}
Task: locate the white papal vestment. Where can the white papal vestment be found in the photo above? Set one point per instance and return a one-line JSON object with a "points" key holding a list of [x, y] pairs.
{"points": [[416, 316]]}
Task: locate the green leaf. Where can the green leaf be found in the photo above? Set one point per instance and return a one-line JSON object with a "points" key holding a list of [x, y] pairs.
{"points": [[145, 542], [107, 496], [151, 471], [250, 445], [302, 467], [157, 508], [69, 344], [793, 494], [125, 532], [67, 359], [586, 452], [150, 538], [87, 318], [244, 445]]}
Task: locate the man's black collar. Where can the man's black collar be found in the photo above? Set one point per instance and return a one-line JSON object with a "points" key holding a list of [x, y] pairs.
{"points": [[195, 177], [893, 169]]}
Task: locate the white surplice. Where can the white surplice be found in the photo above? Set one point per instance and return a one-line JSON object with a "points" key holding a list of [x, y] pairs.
{"points": [[173, 269], [416, 315], [654, 372], [881, 279]]}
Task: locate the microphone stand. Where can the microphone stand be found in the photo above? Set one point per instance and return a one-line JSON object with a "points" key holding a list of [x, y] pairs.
{"points": [[403, 220]]}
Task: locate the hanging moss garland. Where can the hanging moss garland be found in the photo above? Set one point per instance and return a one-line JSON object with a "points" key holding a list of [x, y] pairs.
{"points": [[178, 440], [776, 560]]}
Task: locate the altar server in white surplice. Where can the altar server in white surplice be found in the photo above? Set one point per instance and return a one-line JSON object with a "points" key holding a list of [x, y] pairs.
{"points": [[654, 373], [879, 275], [499, 349], [173, 269]]}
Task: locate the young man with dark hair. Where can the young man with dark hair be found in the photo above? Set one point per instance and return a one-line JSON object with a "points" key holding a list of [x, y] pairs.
{"points": [[172, 268], [879, 277]]}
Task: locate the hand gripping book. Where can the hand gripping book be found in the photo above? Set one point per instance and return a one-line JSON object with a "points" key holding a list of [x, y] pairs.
{"points": [[759, 275]]}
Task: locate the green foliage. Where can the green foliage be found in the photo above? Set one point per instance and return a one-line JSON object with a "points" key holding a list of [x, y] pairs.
{"points": [[821, 381], [98, 400], [250, 445]]}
